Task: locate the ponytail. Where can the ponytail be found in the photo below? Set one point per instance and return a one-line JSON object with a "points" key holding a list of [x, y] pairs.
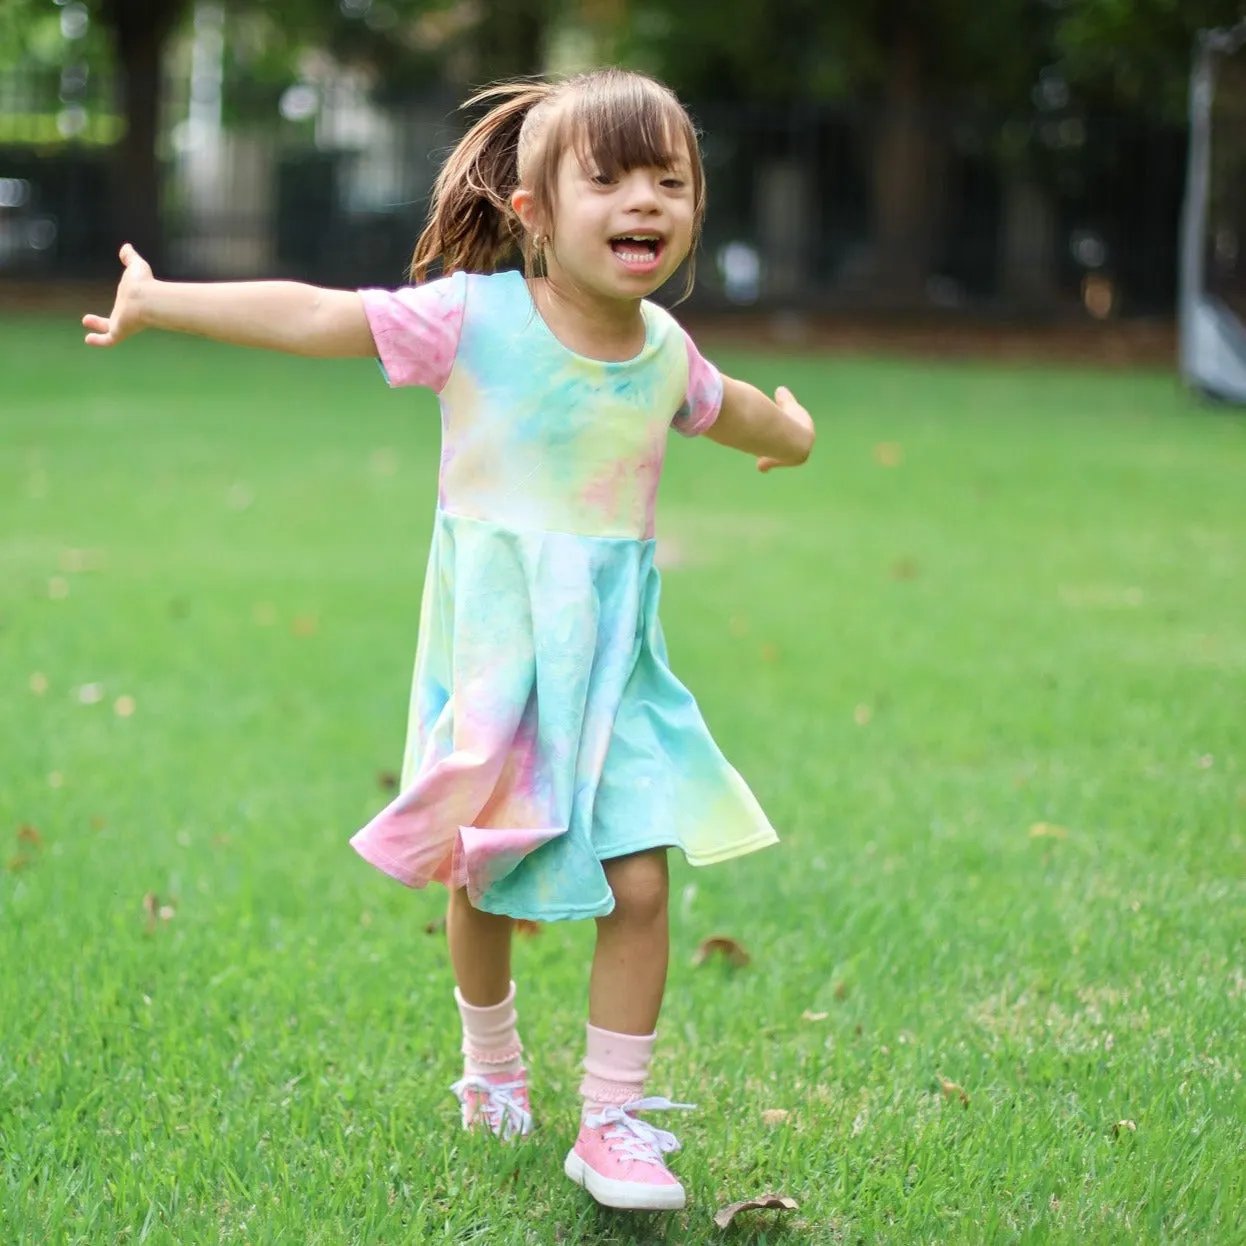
{"points": [[472, 225]]}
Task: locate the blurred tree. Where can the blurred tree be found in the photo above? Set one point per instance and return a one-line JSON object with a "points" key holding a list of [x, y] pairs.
{"points": [[908, 62], [1137, 52]]}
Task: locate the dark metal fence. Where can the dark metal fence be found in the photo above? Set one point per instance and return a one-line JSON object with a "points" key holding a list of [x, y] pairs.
{"points": [[1019, 215]]}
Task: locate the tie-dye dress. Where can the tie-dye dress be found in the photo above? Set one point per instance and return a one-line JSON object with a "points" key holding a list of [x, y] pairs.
{"points": [[546, 733]]}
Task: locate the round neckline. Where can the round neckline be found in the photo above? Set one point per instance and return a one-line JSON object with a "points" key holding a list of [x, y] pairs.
{"points": [[575, 354]]}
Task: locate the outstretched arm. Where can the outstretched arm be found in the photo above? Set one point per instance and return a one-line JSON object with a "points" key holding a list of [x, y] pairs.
{"points": [[779, 432], [269, 315]]}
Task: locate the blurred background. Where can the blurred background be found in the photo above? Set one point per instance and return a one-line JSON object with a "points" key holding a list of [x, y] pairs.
{"points": [[1021, 158]]}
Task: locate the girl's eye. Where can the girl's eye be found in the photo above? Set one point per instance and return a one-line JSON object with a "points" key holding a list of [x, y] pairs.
{"points": [[673, 183], [602, 179]]}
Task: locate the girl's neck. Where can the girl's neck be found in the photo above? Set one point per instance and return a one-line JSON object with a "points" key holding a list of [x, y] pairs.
{"points": [[612, 330]]}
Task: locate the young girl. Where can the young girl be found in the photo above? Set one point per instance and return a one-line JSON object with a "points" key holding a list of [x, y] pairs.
{"points": [[552, 756]]}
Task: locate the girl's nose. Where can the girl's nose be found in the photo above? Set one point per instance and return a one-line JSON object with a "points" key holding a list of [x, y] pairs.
{"points": [[642, 192]]}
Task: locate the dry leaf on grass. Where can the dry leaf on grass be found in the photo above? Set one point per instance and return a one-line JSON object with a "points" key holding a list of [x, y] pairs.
{"points": [[18, 861], [814, 1016], [952, 1090], [775, 1116], [436, 926], [386, 780], [525, 927], [305, 625], [765, 1202], [28, 835], [841, 990], [156, 912], [1124, 1127], [1047, 830], [721, 945], [888, 454], [904, 569]]}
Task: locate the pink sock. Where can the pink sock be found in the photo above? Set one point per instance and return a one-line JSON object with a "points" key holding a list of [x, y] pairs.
{"points": [[490, 1041], [615, 1067]]}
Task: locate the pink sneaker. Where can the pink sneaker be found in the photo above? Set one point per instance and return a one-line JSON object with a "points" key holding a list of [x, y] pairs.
{"points": [[499, 1099], [618, 1159]]}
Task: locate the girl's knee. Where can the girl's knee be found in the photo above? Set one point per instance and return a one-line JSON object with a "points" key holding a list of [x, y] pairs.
{"points": [[641, 885]]}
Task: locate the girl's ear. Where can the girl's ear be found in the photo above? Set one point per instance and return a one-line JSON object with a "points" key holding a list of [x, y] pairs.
{"points": [[524, 204]]}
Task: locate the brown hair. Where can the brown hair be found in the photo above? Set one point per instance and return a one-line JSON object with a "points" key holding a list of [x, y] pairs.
{"points": [[614, 119]]}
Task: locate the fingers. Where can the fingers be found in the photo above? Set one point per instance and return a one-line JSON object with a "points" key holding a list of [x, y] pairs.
{"points": [[99, 339], [97, 324], [128, 254]]}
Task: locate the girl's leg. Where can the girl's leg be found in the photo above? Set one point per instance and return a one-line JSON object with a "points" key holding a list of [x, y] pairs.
{"points": [[494, 1083], [633, 946], [616, 1157], [480, 951]]}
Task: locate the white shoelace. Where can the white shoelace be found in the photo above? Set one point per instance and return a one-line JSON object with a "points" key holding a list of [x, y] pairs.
{"points": [[505, 1115], [637, 1139]]}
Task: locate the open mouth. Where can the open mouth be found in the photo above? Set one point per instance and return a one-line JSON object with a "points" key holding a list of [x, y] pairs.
{"points": [[638, 252]]}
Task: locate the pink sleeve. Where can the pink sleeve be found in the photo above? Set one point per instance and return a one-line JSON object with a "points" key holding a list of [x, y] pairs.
{"points": [[416, 330], [704, 398]]}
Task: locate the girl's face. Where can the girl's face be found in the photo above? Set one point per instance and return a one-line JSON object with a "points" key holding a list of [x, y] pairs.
{"points": [[618, 236]]}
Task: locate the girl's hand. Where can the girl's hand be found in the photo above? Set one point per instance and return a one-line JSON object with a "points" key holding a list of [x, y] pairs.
{"points": [[127, 318], [798, 416]]}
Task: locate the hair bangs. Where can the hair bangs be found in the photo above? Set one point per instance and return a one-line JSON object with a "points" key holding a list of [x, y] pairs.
{"points": [[632, 123]]}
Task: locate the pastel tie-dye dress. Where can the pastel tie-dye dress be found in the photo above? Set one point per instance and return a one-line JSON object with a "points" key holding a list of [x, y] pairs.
{"points": [[547, 733]]}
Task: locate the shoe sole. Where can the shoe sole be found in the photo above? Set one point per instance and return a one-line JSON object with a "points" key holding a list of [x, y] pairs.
{"points": [[624, 1195]]}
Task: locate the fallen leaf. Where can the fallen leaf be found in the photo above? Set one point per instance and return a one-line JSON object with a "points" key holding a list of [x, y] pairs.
{"points": [[386, 780], [436, 926], [123, 706], [841, 990], [305, 625], [525, 927], [763, 1202], [1046, 830], [58, 587], [1122, 1127], [729, 949], [769, 653], [167, 912], [56, 779], [385, 461], [151, 906], [90, 694], [862, 714], [28, 835], [814, 1016], [98, 823], [38, 683], [904, 569], [951, 1090], [888, 453], [775, 1116], [239, 496], [18, 861], [1206, 761]]}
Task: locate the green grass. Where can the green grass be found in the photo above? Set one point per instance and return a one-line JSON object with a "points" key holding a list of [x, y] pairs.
{"points": [[1036, 618]]}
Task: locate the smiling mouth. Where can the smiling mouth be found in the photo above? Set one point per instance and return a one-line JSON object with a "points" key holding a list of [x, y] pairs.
{"points": [[638, 252]]}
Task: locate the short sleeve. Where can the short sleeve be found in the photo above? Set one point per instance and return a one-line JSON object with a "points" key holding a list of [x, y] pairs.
{"points": [[416, 330], [704, 398]]}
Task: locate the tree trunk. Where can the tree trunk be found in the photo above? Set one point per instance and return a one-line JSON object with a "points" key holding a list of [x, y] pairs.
{"points": [[140, 31], [1027, 259], [908, 177]]}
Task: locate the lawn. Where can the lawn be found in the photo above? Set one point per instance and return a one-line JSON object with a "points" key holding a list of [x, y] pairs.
{"points": [[983, 661]]}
